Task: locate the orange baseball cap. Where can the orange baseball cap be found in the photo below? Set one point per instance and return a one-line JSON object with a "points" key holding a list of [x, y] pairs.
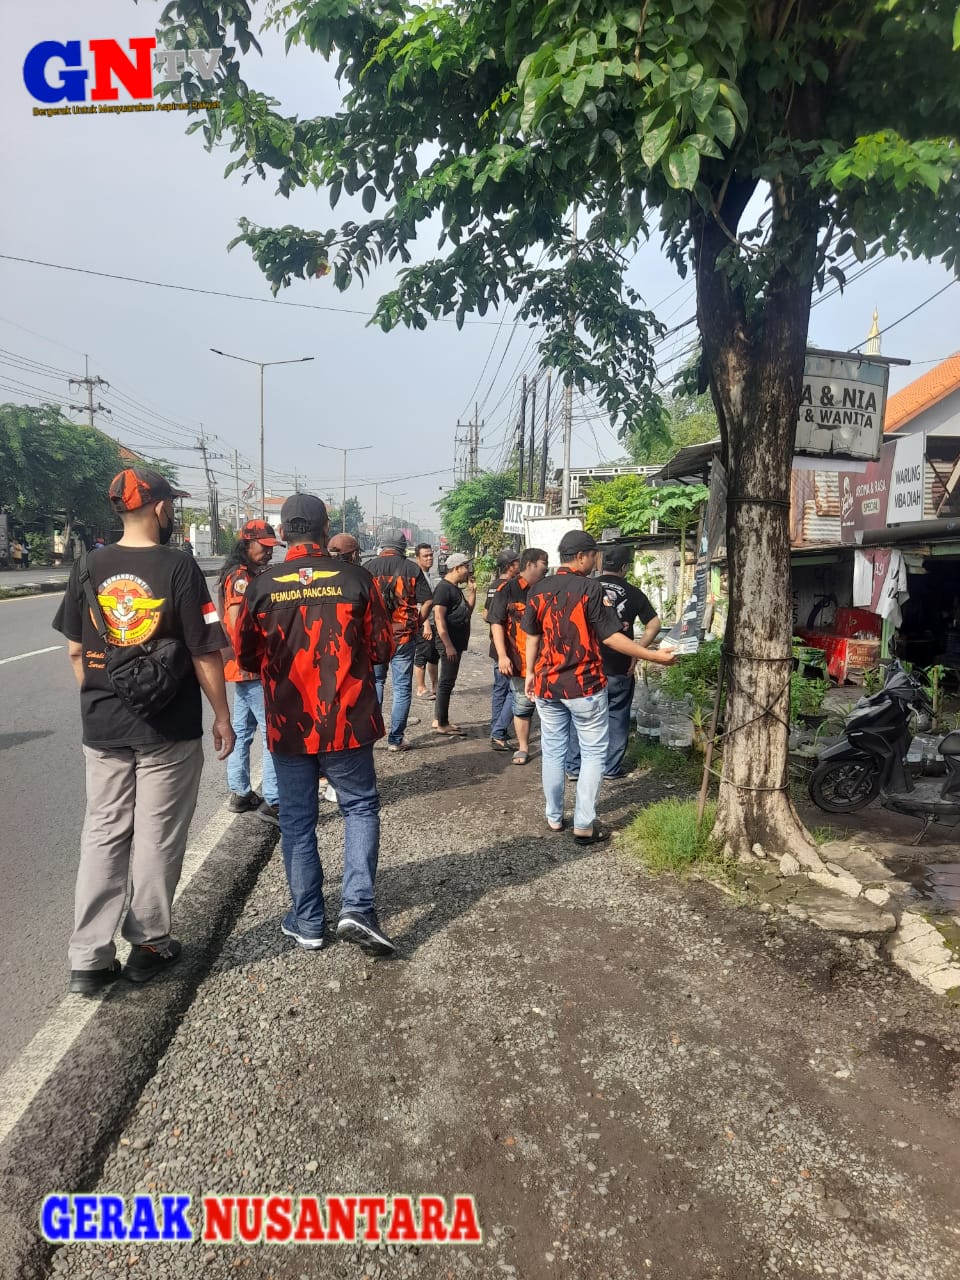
{"points": [[259, 531]]}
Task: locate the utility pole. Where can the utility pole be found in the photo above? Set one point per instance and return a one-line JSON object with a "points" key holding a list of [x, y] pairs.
{"points": [[236, 476], [211, 496], [522, 434], [475, 443], [86, 381], [546, 444], [533, 439], [568, 389]]}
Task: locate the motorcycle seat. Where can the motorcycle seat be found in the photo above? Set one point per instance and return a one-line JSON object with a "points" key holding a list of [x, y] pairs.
{"points": [[950, 746]]}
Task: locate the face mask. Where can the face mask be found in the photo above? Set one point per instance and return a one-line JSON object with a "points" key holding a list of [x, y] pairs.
{"points": [[166, 532]]}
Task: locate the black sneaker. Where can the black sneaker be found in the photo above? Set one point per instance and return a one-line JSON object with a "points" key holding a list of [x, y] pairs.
{"points": [[146, 960], [269, 813], [244, 804], [365, 931], [87, 982]]}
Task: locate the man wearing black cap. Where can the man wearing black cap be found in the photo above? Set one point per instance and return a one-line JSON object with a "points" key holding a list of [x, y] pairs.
{"points": [[408, 598], [142, 771], [568, 619], [501, 702], [315, 627], [250, 555], [630, 604]]}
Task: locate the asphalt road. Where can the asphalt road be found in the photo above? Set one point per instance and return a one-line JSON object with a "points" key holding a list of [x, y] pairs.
{"points": [[41, 812]]}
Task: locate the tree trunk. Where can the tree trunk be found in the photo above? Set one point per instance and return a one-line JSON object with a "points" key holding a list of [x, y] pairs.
{"points": [[754, 352]]}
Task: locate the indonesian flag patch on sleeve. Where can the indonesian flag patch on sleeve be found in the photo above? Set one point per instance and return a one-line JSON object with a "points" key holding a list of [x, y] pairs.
{"points": [[210, 615]]}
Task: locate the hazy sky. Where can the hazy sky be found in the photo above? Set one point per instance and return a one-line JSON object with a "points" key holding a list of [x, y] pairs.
{"points": [[132, 194]]}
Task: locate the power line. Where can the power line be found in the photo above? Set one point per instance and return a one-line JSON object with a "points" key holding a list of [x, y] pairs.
{"points": [[213, 293], [913, 312]]}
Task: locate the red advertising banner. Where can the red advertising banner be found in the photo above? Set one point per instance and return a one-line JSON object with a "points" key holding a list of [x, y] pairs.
{"points": [[863, 496]]}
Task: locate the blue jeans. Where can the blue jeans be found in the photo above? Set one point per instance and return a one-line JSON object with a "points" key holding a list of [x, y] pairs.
{"points": [[620, 700], [501, 706], [586, 720], [401, 674], [248, 712], [353, 777]]}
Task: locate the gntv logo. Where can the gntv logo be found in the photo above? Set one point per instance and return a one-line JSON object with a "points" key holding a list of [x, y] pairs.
{"points": [[56, 72]]}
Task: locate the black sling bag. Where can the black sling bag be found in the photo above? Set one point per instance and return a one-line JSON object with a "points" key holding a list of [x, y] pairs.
{"points": [[145, 677]]}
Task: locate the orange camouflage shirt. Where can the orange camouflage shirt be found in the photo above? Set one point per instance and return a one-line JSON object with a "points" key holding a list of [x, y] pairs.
{"points": [[314, 627], [573, 618]]}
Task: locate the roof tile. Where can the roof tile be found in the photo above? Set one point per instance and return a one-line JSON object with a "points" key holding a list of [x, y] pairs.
{"points": [[923, 393]]}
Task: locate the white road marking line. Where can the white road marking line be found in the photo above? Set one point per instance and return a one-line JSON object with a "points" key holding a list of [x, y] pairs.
{"points": [[26, 1076], [53, 648]]}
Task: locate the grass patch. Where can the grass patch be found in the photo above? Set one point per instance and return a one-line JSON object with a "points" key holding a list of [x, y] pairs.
{"points": [[676, 765], [667, 837], [824, 835]]}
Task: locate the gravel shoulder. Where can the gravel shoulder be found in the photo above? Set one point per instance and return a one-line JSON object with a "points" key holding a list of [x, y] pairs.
{"points": [[632, 1077]]}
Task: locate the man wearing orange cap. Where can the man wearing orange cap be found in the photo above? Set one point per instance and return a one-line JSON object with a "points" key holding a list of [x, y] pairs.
{"points": [[143, 762], [251, 554]]}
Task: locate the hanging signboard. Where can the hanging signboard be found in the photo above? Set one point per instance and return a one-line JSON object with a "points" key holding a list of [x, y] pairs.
{"points": [[515, 514], [842, 405], [905, 502], [890, 491]]}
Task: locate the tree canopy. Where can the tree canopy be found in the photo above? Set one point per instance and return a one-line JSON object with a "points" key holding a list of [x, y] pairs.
{"points": [[686, 419], [464, 508], [50, 466], [630, 504], [769, 144]]}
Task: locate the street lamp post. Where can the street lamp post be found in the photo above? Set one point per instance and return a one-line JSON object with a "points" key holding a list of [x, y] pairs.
{"points": [[261, 365], [358, 448]]}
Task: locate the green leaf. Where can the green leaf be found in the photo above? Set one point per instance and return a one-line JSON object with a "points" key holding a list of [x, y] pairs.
{"points": [[703, 98], [572, 89], [682, 166], [369, 198], [655, 143], [722, 125], [956, 31]]}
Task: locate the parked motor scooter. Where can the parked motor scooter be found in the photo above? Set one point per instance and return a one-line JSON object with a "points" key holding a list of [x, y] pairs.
{"points": [[871, 761]]}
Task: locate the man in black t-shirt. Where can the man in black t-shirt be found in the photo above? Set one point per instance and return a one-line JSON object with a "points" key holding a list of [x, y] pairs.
{"points": [[452, 609], [142, 775], [630, 604]]}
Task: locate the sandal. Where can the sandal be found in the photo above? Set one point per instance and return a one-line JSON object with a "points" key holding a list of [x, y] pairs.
{"points": [[499, 744], [598, 835], [449, 731], [562, 826], [521, 757]]}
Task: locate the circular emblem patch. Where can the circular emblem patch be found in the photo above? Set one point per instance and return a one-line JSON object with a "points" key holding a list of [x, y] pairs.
{"points": [[130, 610]]}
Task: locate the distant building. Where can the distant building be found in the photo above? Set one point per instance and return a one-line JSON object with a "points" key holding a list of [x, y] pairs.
{"points": [[582, 479]]}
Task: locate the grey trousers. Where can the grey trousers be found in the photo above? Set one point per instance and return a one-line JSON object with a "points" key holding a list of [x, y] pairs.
{"points": [[140, 801]]}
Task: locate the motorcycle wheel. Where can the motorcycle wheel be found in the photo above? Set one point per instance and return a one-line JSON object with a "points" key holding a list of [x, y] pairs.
{"points": [[843, 786]]}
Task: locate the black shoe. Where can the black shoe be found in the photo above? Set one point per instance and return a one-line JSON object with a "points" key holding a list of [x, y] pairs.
{"points": [[269, 813], [146, 961], [87, 982], [365, 931], [244, 804], [611, 776]]}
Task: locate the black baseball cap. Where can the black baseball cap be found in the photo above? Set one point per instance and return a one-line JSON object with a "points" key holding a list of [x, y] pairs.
{"points": [[303, 513], [575, 541], [617, 557], [394, 541], [507, 557]]}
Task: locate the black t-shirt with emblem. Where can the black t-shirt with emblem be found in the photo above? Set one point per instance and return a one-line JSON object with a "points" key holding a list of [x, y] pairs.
{"points": [[630, 604], [145, 593], [458, 613]]}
